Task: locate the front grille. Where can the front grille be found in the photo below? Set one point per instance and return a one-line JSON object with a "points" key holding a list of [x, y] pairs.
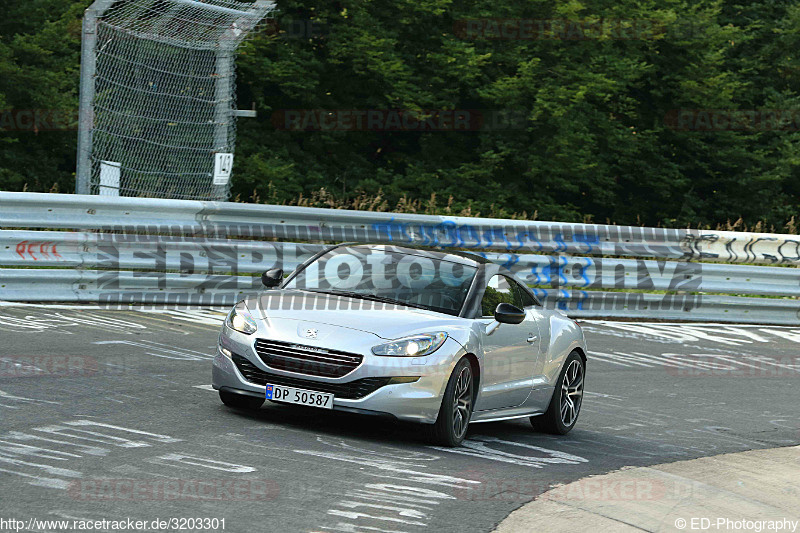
{"points": [[307, 360], [352, 390]]}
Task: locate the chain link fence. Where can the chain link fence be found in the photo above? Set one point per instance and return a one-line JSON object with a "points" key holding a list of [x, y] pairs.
{"points": [[158, 109]]}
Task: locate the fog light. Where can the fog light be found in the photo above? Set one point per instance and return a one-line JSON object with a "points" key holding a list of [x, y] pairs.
{"points": [[224, 351], [409, 379]]}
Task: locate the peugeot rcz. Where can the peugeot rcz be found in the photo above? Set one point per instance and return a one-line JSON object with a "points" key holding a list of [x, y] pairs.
{"points": [[441, 338]]}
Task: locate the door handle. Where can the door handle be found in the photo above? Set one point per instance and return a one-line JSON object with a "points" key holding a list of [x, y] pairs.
{"points": [[532, 338]]}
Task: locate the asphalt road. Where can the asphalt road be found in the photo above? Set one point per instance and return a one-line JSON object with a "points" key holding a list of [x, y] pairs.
{"points": [[108, 415]]}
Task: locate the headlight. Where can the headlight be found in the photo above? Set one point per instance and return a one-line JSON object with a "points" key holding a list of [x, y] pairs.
{"points": [[239, 319], [412, 346]]}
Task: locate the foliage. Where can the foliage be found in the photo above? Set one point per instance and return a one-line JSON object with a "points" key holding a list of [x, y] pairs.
{"points": [[592, 139]]}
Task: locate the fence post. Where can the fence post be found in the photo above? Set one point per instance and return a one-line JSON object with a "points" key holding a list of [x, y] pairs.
{"points": [[83, 173]]}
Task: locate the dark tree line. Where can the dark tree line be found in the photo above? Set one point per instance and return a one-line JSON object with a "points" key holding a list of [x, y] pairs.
{"points": [[674, 112]]}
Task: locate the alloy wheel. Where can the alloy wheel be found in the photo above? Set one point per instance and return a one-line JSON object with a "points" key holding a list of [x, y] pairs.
{"points": [[571, 393], [462, 402]]}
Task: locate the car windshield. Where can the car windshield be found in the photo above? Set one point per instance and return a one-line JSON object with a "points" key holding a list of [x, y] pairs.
{"points": [[426, 280]]}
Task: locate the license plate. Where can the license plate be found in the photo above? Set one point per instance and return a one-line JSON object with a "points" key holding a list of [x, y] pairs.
{"points": [[279, 393]]}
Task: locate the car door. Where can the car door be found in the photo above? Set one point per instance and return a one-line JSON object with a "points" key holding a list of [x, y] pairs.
{"points": [[510, 351]]}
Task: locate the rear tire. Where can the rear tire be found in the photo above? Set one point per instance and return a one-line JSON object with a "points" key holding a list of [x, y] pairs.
{"points": [[240, 401], [456, 410], [562, 414]]}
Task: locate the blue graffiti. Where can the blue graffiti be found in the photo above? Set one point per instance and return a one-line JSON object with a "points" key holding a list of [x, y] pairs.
{"points": [[391, 227], [562, 278], [513, 259], [450, 230], [583, 297], [496, 233], [563, 304], [559, 239], [584, 275], [587, 239], [470, 231]]}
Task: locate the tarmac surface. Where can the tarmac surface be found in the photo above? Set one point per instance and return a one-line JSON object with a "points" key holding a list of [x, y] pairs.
{"points": [[109, 415]]}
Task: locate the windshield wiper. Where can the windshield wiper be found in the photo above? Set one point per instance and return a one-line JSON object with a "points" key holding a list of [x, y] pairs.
{"points": [[372, 297]]}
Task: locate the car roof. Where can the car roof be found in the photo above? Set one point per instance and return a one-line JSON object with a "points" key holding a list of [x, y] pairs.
{"points": [[454, 256]]}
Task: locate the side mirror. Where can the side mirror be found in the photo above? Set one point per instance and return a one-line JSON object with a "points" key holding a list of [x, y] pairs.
{"points": [[506, 313], [272, 278]]}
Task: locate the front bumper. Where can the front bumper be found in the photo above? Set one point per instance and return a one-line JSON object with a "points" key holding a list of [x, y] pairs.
{"points": [[418, 401]]}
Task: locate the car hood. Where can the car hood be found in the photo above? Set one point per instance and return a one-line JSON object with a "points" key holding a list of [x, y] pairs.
{"points": [[387, 321]]}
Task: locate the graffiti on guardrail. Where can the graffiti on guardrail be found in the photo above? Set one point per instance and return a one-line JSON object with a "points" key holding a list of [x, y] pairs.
{"points": [[743, 249], [45, 250], [515, 236]]}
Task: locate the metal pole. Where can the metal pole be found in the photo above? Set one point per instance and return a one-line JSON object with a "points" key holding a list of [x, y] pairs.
{"points": [[83, 174], [223, 110]]}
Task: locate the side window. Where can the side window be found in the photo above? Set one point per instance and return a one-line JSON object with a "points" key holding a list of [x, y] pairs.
{"points": [[521, 297], [498, 290]]}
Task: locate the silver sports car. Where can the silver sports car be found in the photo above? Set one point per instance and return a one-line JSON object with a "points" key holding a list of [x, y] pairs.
{"points": [[442, 338]]}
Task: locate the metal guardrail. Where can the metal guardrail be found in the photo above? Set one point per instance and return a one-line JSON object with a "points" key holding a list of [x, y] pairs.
{"points": [[84, 250], [36, 210], [121, 254]]}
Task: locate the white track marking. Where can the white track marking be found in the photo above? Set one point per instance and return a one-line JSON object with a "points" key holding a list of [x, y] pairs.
{"points": [[352, 515], [486, 448], [28, 455], [16, 448], [404, 503], [51, 470], [91, 436], [39, 481], [211, 317], [722, 334], [191, 460], [6, 396], [353, 528], [384, 452], [154, 436], [399, 469], [166, 351]]}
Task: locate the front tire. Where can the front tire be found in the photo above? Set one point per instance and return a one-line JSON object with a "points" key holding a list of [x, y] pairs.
{"points": [[565, 406], [240, 401], [451, 424]]}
